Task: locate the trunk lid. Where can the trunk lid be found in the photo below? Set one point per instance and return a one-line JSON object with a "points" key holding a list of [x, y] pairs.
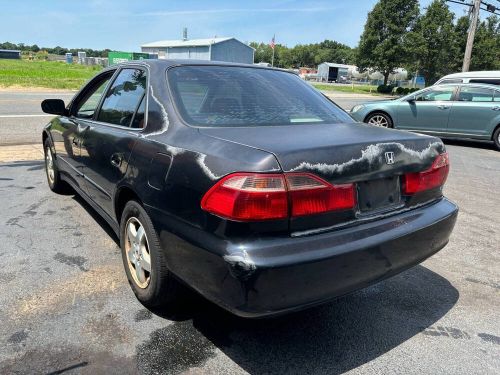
{"points": [[338, 153]]}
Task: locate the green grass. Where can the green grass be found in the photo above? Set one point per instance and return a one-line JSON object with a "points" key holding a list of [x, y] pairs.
{"points": [[357, 89], [47, 74]]}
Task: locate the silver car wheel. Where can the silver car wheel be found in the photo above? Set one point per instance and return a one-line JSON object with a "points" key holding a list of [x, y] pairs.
{"points": [[137, 251], [49, 165], [378, 120]]}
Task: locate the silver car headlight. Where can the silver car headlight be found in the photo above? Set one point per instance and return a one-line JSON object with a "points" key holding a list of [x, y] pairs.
{"points": [[356, 108]]}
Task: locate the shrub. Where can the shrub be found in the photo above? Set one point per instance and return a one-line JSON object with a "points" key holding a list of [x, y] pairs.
{"points": [[400, 91], [406, 91], [385, 89]]}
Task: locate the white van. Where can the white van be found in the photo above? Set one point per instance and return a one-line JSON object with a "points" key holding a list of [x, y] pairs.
{"points": [[491, 77]]}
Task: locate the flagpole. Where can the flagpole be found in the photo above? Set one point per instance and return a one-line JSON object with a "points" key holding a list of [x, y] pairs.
{"points": [[273, 45]]}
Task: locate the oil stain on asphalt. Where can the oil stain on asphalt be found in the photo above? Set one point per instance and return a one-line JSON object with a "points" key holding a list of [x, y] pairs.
{"points": [[70, 260], [174, 349]]}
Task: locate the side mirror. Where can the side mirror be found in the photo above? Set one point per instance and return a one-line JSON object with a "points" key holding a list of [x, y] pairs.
{"points": [[411, 100], [54, 107]]}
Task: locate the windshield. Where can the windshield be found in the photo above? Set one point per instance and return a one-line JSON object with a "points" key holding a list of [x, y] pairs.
{"points": [[219, 96]]}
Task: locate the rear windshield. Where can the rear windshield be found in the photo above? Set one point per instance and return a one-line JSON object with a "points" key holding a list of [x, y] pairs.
{"points": [[218, 96]]}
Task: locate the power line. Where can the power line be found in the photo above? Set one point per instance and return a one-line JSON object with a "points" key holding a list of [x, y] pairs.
{"points": [[474, 7]]}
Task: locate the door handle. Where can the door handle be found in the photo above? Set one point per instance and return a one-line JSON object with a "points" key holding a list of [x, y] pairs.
{"points": [[442, 106], [116, 160], [496, 108]]}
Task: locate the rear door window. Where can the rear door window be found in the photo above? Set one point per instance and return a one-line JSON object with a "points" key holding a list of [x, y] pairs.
{"points": [[475, 94], [489, 81], [123, 98]]}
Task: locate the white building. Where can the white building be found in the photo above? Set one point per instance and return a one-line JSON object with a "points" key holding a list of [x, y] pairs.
{"points": [[213, 49]]}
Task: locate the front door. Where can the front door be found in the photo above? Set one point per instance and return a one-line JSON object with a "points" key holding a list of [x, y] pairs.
{"points": [[473, 112], [428, 111], [108, 142], [67, 134]]}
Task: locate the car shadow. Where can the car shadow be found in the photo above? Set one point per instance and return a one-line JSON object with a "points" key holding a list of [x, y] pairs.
{"points": [[469, 143], [95, 215], [332, 338]]}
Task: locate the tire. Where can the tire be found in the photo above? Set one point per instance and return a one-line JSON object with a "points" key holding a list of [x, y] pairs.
{"points": [[379, 119], [496, 138], [154, 285], [52, 171]]}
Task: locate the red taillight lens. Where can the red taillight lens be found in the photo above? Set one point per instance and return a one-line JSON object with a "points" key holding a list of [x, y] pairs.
{"points": [[253, 196], [247, 197], [431, 178], [312, 195]]}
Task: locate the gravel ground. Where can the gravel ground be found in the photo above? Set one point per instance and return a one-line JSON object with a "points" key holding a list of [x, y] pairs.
{"points": [[66, 307]]}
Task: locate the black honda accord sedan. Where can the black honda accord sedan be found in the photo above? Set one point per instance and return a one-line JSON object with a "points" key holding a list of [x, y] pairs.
{"points": [[246, 184]]}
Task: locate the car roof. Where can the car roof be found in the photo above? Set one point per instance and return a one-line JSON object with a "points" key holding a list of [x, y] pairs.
{"points": [[167, 63], [478, 74], [485, 85]]}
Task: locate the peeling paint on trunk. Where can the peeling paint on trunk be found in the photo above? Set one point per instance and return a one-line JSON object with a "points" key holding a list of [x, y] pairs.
{"points": [[371, 154]]}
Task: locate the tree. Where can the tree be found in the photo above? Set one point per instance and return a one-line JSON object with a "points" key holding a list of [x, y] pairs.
{"points": [[432, 44], [382, 45], [486, 50]]}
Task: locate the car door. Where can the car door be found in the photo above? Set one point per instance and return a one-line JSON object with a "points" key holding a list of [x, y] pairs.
{"points": [[67, 133], [108, 142], [473, 111], [427, 111]]}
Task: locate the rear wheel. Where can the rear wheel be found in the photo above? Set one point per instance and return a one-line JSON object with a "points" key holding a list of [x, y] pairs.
{"points": [[379, 119], [144, 260], [496, 138]]}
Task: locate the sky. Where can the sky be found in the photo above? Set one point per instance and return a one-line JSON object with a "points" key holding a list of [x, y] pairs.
{"points": [[126, 24]]}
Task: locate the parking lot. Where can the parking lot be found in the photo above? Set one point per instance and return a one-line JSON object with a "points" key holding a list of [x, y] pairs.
{"points": [[66, 306]]}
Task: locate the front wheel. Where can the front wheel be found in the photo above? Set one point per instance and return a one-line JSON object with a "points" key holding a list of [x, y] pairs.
{"points": [[144, 259], [52, 171], [379, 119], [496, 138]]}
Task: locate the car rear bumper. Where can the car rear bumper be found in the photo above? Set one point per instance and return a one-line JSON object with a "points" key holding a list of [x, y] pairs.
{"points": [[269, 276]]}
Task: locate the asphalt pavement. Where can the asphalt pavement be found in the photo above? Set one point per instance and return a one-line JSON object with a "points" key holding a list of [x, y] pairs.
{"points": [[22, 120], [66, 307]]}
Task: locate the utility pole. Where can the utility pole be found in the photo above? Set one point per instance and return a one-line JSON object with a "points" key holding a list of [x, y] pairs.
{"points": [[472, 33]]}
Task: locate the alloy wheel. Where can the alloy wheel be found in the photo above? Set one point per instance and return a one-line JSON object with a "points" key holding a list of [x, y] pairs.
{"points": [[379, 120], [137, 251], [49, 165]]}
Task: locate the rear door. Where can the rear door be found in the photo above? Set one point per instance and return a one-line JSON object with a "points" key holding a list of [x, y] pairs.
{"points": [[473, 112], [108, 142], [429, 111]]}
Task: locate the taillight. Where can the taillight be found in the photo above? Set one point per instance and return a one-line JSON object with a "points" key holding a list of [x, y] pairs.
{"points": [[248, 196], [312, 195], [431, 178], [255, 196]]}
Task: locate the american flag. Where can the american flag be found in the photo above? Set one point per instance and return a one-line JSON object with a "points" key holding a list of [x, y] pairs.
{"points": [[272, 42]]}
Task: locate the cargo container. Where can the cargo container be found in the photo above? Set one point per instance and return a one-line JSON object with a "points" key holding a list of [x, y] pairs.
{"points": [[116, 57]]}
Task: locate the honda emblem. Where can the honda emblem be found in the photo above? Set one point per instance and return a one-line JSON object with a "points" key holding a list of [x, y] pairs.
{"points": [[389, 157]]}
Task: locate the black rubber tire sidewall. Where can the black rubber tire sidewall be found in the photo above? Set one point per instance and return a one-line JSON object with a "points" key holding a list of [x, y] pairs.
{"points": [[57, 185], [496, 141], [162, 288], [390, 124]]}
